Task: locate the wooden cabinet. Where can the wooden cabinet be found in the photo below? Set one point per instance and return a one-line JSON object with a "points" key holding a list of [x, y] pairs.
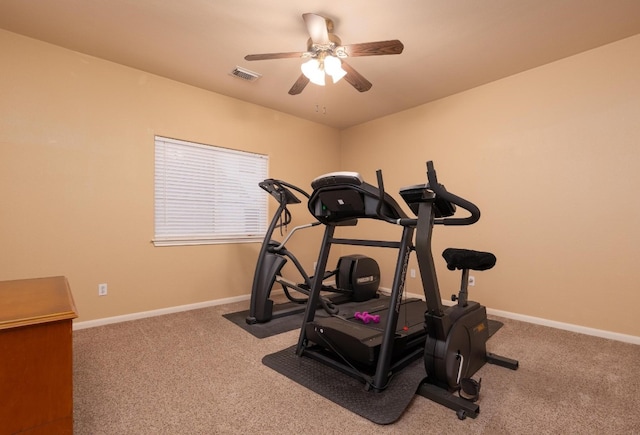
{"points": [[36, 363]]}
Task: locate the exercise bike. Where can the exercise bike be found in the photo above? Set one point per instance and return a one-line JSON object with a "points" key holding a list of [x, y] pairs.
{"points": [[451, 340], [455, 348], [357, 277]]}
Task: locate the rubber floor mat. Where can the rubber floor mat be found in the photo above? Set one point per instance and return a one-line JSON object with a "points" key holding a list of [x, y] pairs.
{"points": [[383, 407]]}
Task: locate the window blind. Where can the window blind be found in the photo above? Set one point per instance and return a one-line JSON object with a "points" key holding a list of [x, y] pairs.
{"points": [[207, 194]]}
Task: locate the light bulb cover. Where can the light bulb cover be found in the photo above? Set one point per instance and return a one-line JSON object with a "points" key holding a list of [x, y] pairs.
{"points": [[331, 64], [333, 67], [312, 69]]}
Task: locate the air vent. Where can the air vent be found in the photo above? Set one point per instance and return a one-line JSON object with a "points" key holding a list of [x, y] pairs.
{"points": [[245, 74]]}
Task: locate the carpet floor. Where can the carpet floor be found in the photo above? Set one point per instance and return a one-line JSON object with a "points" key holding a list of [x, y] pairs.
{"points": [[195, 372]]}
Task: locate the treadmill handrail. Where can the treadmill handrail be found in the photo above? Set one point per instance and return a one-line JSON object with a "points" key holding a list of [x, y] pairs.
{"points": [[406, 222]]}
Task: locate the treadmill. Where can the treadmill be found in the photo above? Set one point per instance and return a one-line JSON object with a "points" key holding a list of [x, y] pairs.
{"points": [[371, 352]]}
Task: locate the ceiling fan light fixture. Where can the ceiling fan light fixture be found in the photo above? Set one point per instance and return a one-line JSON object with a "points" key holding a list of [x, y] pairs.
{"points": [[312, 69], [315, 69], [333, 67], [318, 78], [325, 53]]}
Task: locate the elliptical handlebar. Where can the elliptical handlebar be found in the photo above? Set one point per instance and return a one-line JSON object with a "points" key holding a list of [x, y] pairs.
{"points": [[286, 239], [283, 193], [280, 190], [440, 191]]}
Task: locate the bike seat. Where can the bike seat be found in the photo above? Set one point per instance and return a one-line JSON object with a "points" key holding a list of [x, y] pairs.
{"points": [[467, 259]]}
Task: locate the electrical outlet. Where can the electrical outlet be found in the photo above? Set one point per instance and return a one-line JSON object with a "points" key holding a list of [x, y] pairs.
{"points": [[315, 264], [102, 289], [472, 280], [413, 273]]}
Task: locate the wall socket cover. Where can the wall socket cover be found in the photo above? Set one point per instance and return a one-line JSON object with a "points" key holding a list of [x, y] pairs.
{"points": [[102, 289]]}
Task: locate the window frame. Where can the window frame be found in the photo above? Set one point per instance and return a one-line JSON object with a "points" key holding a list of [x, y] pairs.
{"points": [[190, 208]]}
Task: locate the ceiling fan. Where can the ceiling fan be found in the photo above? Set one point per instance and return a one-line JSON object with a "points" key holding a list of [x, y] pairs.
{"points": [[325, 55]]}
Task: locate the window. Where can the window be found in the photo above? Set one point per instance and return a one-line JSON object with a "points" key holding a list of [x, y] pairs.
{"points": [[206, 194]]}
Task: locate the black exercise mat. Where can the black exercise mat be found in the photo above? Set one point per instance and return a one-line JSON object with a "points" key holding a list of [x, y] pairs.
{"points": [[270, 328], [384, 407]]}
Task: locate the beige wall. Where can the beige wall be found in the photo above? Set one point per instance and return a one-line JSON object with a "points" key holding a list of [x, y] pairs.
{"points": [[76, 177], [551, 156]]}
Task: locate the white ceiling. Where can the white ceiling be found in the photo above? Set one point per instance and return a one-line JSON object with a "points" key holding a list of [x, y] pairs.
{"points": [[450, 45]]}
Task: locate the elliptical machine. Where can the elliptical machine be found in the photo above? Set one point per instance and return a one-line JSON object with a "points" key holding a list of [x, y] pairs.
{"points": [[357, 277]]}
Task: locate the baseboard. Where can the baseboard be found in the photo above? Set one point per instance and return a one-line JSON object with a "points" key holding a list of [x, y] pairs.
{"points": [[506, 314], [550, 323], [566, 326], [159, 312]]}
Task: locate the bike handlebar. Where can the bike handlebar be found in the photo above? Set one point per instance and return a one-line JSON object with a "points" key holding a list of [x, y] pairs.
{"points": [[440, 191]]}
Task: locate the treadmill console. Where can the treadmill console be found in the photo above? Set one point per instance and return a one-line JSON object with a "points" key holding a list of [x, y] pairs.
{"points": [[333, 178], [341, 198]]}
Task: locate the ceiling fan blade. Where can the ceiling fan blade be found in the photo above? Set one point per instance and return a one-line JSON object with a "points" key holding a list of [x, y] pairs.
{"points": [[266, 56], [355, 79], [299, 85], [374, 48], [317, 28]]}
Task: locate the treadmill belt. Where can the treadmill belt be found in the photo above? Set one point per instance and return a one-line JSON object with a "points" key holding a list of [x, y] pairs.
{"points": [[383, 407], [294, 320], [361, 342]]}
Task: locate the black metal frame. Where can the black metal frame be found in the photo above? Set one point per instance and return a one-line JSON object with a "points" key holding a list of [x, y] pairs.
{"points": [[434, 206], [261, 307], [373, 201], [272, 258], [384, 367]]}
